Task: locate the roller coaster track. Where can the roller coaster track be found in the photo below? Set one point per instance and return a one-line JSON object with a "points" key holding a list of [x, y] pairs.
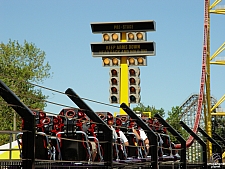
{"points": [[188, 113], [203, 78], [190, 105]]}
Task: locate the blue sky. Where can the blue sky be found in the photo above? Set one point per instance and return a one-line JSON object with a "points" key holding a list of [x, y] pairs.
{"points": [[62, 29]]}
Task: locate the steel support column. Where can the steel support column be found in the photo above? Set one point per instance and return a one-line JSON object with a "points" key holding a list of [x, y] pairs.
{"points": [[102, 125], [28, 138]]}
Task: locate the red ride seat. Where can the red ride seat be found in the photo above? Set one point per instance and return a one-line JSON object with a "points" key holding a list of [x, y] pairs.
{"points": [[122, 149], [74, 142]]}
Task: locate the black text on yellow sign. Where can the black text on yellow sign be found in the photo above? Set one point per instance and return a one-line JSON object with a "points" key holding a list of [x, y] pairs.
{"points": [[123, 49]]}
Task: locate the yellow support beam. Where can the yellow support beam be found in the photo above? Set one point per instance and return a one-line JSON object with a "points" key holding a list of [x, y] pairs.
{"points": [[218, 114], [218, 103], [218, 62], [208, 95], [215, 3], [218, 51], [218, 11], [123, 78], [207, 112]]}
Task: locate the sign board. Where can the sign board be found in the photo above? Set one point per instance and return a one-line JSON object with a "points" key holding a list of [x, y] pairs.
{"points": [[135, 26], [123, 49]]}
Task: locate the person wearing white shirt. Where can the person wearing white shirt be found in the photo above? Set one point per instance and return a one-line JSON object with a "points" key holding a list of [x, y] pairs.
{"points": [[115, 136], [113, 133], [142, 136], [123, 138]]}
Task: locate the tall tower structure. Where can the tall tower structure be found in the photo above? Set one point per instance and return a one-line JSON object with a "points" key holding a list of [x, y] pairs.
{"points": [[214, 8], [204, 99]]}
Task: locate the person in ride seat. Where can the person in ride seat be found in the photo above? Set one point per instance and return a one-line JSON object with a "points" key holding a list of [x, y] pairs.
{"points": [[140, 134], [85, 128], [120, 141], [115, 135], [122, 137]]}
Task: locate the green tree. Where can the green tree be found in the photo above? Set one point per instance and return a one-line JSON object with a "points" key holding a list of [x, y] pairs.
{"points": [[218, 129], [21, 65], [140, 107], [174, 119]]}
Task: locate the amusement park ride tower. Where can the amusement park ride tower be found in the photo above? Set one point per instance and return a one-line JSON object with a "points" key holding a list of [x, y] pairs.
{"points": [[123, 49], [215, 9], [204, 102]]}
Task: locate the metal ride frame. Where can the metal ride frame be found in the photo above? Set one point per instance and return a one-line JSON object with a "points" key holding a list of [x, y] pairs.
{"points": [[204, 98], [28, 156], [26, 114], [209, 110]]}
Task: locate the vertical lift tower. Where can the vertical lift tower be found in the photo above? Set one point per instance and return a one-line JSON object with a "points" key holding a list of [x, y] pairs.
{"points": [[214, 8], [123, 49]]}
